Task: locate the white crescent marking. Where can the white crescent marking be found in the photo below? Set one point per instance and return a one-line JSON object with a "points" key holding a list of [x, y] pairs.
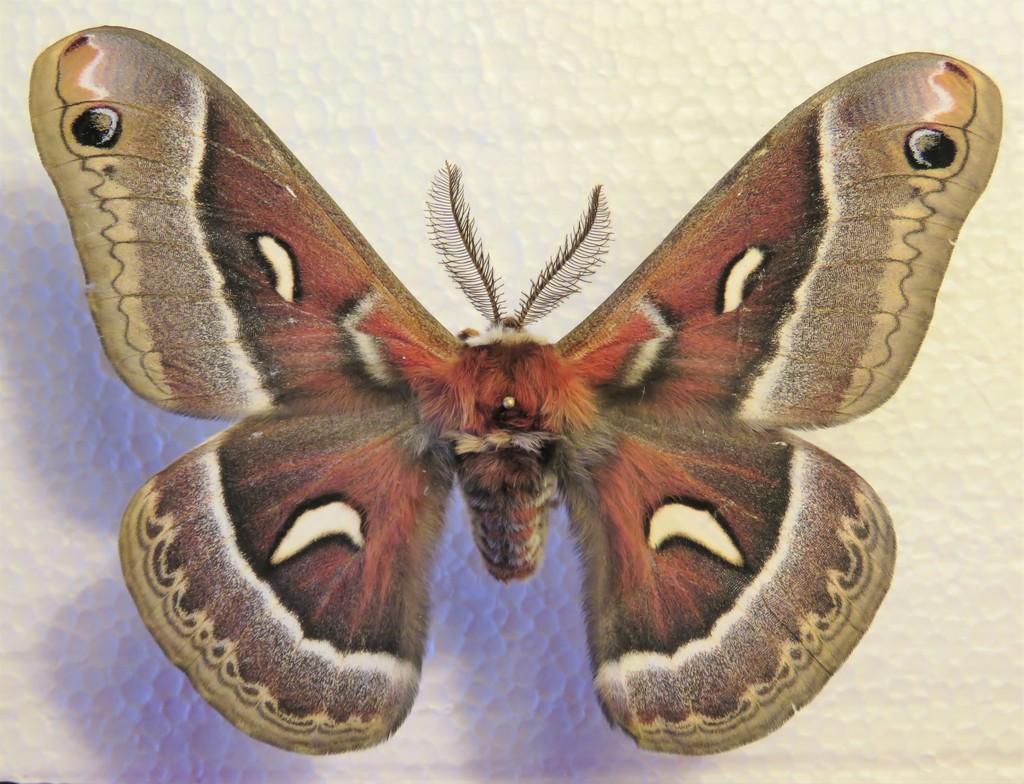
{"points": [[736, 280], [697, 525], [280, 260], [330, 519]]}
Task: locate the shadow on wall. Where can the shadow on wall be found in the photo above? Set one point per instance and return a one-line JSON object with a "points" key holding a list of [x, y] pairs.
{"points": [[113, 687]]}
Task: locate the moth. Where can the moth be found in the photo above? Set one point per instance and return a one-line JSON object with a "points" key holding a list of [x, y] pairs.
{"points": [[729, 566]]}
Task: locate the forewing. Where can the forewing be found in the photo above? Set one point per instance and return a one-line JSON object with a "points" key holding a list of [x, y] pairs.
{"points": [[798, 291], [727, 575], [283, 567], [222, 278]]}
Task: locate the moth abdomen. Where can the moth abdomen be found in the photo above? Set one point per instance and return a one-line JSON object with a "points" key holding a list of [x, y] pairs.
{"points": [[507, 491]]}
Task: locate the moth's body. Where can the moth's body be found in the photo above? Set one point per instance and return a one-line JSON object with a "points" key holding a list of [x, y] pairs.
{"points": [[728, 566], [504, 404]]}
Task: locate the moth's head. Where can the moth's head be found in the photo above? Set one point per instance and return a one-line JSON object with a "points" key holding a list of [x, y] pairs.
{"points": [[453, 232], [507, 380], [507, 330]]}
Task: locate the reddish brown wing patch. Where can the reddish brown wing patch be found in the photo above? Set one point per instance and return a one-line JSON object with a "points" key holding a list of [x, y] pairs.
{"points": [[218, 267], [771, 199], [799, 290], [706, 636], [314, 646]]}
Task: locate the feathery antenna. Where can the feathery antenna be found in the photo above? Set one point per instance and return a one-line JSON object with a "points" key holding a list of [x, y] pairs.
{"points": [[453, 233], [580, 255]]}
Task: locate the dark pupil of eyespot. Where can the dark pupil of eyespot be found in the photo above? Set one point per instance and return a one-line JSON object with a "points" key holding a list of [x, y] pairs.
{"points": [[99, 127], [927, 148]]}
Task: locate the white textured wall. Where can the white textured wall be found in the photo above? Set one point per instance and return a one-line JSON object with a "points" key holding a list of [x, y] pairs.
{"points": [[656, 100]]}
